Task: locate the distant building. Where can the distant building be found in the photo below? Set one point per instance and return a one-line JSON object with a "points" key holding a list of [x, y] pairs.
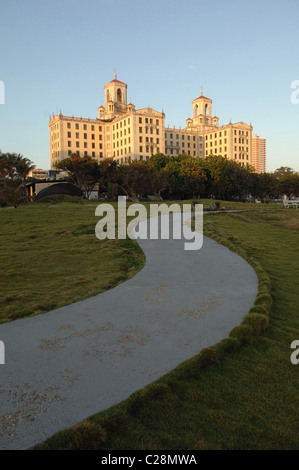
{"points": [[38, 174], [124, 133], [259, 153]]}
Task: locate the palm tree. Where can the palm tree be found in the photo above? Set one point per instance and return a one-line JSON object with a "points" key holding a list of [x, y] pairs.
{"points": [[23, 166], [7, 164]]}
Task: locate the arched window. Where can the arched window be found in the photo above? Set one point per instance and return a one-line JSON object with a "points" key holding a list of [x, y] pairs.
{"points": [[206, 109], [196, 110], [118, 94], [107, 96]]}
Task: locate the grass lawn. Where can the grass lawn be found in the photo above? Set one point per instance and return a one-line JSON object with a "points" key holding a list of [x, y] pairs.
{"points": [[50, 257], [246, 400]]}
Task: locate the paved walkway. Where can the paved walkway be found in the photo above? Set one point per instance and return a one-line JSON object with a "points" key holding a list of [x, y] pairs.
{"points": [[67, 364]]}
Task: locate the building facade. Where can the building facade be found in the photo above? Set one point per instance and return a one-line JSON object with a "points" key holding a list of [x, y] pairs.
{"points": [[125, 133], [259, 153]]}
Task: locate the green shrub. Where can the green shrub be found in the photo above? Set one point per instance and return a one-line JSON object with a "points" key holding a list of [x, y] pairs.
{"points": [[264, 300], [84, 436], [225, 346], [242, 333], [257, 321]]}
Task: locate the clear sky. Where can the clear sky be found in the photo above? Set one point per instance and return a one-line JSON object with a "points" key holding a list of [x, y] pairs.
{"points": [[59, 54]]}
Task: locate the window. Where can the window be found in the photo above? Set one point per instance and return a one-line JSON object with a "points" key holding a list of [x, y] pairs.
{"points": [[69, 143], [92, 136], [69, 134], [140, 129], [85, 136], [77, 144], [100, 128], [77, 126], [85, 145], [140, 120], [140, 149], [92, 127], [84, 127], [93, 145], [68, 125]]}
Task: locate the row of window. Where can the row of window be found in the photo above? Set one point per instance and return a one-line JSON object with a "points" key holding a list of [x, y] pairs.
{"points": [[146, 129], [122, 152], [148, 121], [121, 143], [120, 134], [149, 149], [120, 124], [69, 134], [148, 140], [77, 126], [183, 145], [225, 133], [170, 136], [69, 144]]}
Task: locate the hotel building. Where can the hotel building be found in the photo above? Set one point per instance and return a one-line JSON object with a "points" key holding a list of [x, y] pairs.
{"points": [[124, 133]]}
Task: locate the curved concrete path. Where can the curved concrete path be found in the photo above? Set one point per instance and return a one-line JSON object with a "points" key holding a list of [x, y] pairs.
{"points": [[67, 364]]}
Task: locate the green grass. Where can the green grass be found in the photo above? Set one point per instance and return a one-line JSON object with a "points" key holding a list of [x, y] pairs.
{"points": [[50, 257], [242, 394]]}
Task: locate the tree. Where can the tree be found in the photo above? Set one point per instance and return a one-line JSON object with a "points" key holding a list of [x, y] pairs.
{"points": [[14, 169], [23, 166], [108, 180], [228, 179], [134, 179], [83, 172]]}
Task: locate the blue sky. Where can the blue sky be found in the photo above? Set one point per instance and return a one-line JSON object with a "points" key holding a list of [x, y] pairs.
{"points": [[59, 54]]}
